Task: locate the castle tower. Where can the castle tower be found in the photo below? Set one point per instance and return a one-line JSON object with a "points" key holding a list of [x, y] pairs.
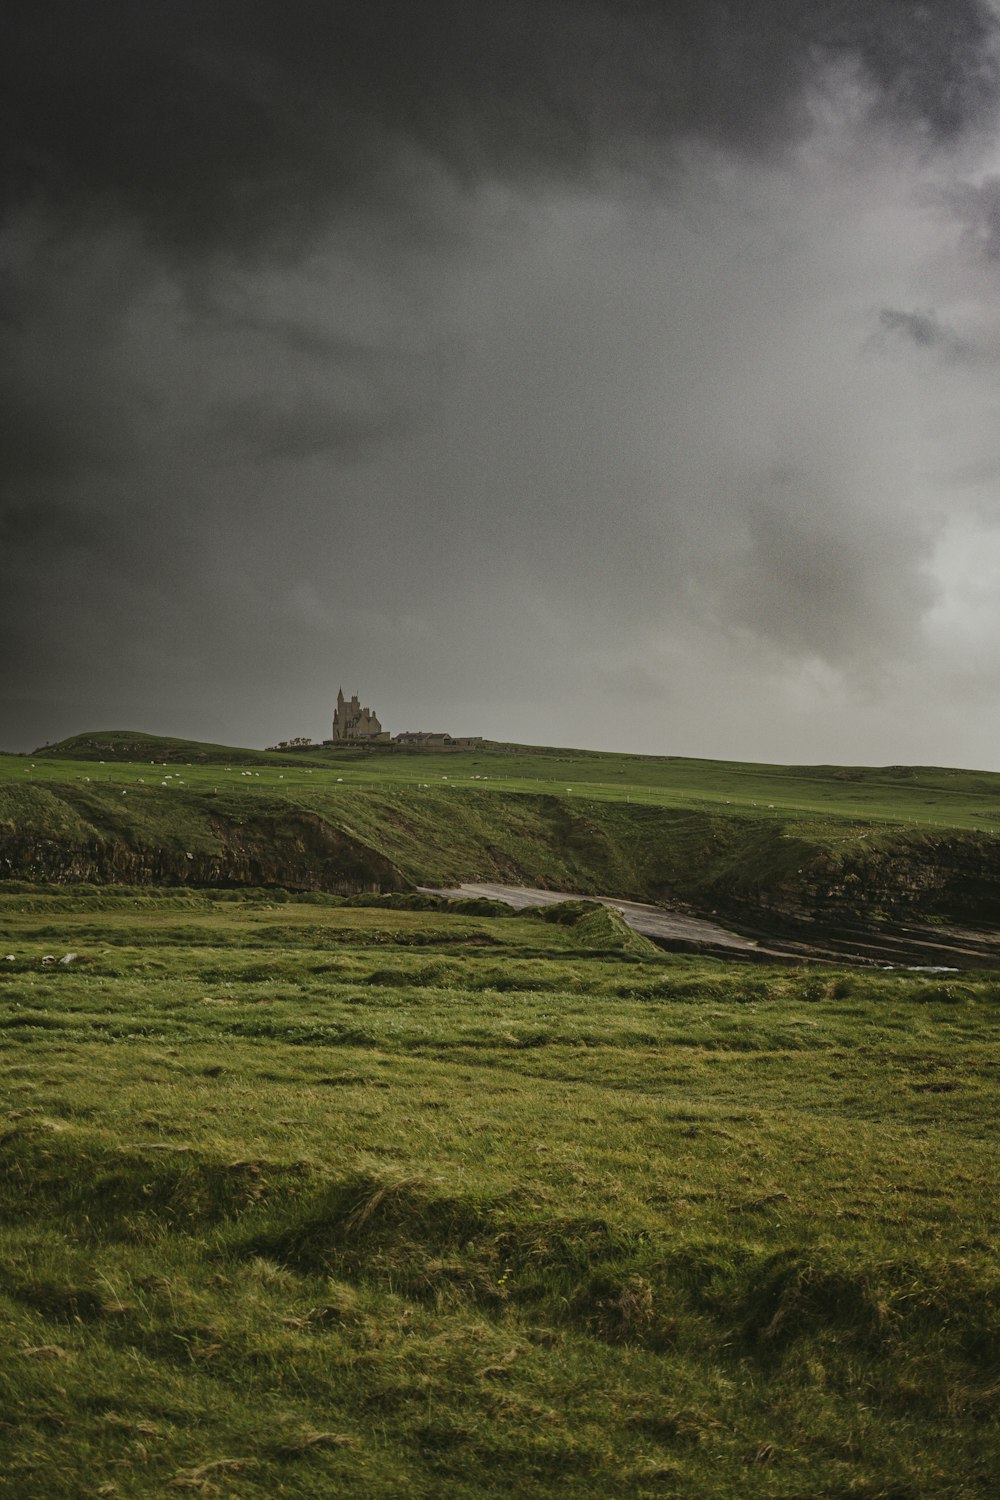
{"points": [[351, 721]]}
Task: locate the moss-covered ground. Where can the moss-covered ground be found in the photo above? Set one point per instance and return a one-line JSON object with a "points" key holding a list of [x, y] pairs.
{"points": [[304, 1198]]}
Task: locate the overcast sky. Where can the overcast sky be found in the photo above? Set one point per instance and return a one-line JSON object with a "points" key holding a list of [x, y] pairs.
{"points": [[608, 373]]}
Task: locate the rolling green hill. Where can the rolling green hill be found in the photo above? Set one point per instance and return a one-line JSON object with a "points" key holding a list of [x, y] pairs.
{"points": [[910, 795], [103, 745], [722, 836]]}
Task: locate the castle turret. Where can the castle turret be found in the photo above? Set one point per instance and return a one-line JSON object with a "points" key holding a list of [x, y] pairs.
{"points": [[339, 725]]}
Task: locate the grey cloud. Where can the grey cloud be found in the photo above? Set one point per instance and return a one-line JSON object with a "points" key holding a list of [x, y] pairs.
{"points": [[933, 64], [822, 578], [267, 428], [313, 343], [977, 207], [922, 330]]}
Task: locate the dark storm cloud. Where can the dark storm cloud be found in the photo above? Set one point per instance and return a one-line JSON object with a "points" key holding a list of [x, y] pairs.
{"points": [[336, 326], [242, 123], [49, 528], [922, 330], [47, 437]]}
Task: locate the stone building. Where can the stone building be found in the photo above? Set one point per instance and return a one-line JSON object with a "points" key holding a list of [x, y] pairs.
{"points": [[352, 722], [425, 740]]}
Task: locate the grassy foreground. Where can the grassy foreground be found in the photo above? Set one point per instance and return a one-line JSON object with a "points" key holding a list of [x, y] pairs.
{"points": [[309, 1198]]}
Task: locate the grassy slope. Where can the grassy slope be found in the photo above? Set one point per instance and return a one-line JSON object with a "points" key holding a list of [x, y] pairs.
{"points": [[302, 1198], [902, 795], [708, 832], [103, 745], [433, 835]]}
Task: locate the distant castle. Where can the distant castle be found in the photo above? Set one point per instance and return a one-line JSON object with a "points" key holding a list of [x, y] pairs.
{"points": [[352, 722], [356, 725]]}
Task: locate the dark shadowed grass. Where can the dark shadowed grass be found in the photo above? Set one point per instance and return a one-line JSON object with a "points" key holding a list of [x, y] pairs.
{"points": [[303, 1199]]}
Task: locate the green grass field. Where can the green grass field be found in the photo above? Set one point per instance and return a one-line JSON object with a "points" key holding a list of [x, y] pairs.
{"points": [[308, 1198], [901, 796], [743, 839]]}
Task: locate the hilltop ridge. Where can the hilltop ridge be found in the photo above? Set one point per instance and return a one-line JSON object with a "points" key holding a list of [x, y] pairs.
{"points": [[133, 744], [130, 744]]}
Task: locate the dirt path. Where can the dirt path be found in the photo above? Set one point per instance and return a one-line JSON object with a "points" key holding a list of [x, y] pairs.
{"points": [[651, 921], [904, 945]]}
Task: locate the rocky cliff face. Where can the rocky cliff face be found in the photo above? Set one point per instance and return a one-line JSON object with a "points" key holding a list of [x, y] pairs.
{"points": [[299, 852], [753, 870], [949, 875]]}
